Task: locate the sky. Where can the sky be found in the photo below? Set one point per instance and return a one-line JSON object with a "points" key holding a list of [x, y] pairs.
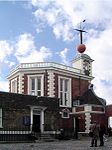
{"points": [[43, 30]]}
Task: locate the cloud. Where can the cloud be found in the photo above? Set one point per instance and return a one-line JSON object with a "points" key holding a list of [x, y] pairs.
{"points": [[4, 86], [5, 50], [26, 51], [99, 47], [63, 55], [24, 44], [36, 56], [62, 16], [21, 50]]}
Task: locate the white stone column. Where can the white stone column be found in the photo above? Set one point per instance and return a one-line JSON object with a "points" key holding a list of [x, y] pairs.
{"points": [[87, 121], [51, 87], [87, 117], [42, 121]]}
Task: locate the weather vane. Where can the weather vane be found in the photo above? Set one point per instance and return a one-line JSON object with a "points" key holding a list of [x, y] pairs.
{"points": [[81, 47], [80, 30]]}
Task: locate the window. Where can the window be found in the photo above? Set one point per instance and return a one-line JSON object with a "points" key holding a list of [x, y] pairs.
{"points": [[65, 113], [14, 86], [76, 102], [65, 92], [26, 120], [35, 85], [0, 118]]}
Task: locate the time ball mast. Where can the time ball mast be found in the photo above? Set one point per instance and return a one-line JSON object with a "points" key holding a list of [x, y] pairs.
{"points": [[81, 47]]}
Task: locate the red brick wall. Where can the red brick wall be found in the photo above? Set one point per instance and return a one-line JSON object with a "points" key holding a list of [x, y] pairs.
{"points": [[78, 86], [81, 123], [109, 110], [99, 118], [97, 109], [45, 83], [66, 123], [79, 109], [75, 87], [56, 85]]}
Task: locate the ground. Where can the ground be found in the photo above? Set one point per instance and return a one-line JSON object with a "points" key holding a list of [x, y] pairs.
{"points": [[81, 144]]}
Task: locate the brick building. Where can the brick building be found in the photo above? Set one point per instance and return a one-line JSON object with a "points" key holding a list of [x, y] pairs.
{"points": [[71, 85], [21, 116]]}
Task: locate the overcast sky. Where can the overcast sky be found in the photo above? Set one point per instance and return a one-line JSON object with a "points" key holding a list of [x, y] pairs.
{"points": [[43, 30]]}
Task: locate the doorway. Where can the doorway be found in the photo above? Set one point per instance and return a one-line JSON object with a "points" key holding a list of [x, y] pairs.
{"points": [[36, 123]]}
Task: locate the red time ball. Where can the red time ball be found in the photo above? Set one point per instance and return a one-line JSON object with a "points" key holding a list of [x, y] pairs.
{"points": [[81, 48]]}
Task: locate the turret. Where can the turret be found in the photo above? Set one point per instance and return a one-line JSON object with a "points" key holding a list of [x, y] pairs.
{"points": [[82, 61]]}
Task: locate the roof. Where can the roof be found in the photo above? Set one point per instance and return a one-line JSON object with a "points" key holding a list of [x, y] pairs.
{"points": [[83, 56], [20, 101], [89, 97], [43, 66]]}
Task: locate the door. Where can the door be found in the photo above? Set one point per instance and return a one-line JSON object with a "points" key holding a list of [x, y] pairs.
{"points": [[36, 123]]}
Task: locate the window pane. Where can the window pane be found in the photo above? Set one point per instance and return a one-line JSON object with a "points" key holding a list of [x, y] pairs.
{"points": [[61, 98], [66, 98], [32, 92], [38, 93], [61, 84], [66, 85], [65, 114], [38, 84], [32, 84]]}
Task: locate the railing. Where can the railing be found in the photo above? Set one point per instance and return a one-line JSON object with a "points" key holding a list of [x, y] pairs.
{"points": [[15, 135], [44, 65]]}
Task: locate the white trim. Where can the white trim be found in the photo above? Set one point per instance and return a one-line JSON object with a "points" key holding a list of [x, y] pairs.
{"points": [[41, 109], [92, 112], [42, 66], [68, 115]]}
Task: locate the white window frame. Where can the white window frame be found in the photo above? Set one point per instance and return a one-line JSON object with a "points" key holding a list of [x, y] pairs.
{"points": [[110, 121], [68, 93], [1, 118], [68, 116], [42, 84], [14, 81]]}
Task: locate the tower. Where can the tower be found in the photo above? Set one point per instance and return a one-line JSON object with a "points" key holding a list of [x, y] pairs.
{"points": [[82, 61]]}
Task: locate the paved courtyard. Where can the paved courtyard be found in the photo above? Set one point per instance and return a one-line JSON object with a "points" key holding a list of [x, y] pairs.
{"points": [[82, 144]]}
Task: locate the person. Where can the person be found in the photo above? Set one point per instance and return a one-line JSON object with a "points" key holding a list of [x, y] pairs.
{"points": [[94, 127], [101, 135], [109, 131]]}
